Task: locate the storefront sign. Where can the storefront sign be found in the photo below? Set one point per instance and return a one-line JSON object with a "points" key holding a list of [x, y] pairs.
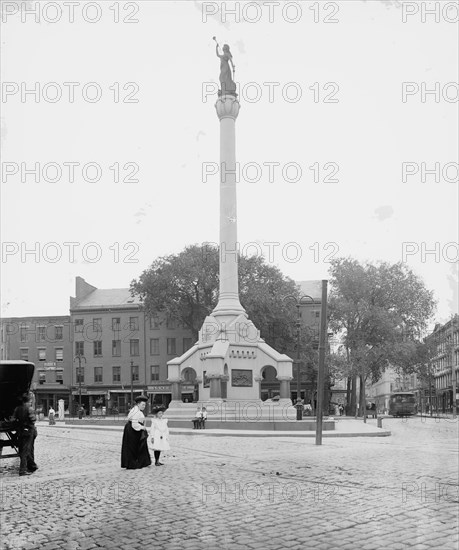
{"points": [[159, 389]]}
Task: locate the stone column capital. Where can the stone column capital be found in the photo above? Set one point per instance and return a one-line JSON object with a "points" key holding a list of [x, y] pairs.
{"points": [[227, 106]]}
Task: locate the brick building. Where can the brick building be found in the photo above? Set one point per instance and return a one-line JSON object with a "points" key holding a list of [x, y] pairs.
{"points": [[47, 342], [123, 352], [445, 365]]}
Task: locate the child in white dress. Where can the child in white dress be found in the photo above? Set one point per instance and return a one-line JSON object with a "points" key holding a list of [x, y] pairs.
{"points": [[159, 435]]}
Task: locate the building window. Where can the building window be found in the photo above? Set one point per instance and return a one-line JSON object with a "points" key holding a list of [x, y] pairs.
{"points": [[98, 348], [154, 323], [154, 373], [116, 323], [79, 348], [97, 324], [171, 346], [79, 325], [41, 354], [59, 354], [59, 377], [58, 332], [134, 347], [133, 323], [135, 373], [317, 313], [80, 376], [41, 334], [41, 377], [186, 344], [23, 333], [116, 348], [154, 346], [24, 354], [97, 374], [171, 323], [116, 374]]}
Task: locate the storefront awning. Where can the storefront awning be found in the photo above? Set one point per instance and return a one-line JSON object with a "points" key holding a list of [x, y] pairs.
{"points": [[125, 391], [90, 392]]}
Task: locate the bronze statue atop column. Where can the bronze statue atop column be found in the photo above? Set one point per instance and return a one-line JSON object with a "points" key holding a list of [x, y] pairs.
{"points": [[227, 84]]}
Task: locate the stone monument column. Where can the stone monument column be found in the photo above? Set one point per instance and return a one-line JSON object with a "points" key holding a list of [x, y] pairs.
{"points": [[227, 107], [284, 389]]}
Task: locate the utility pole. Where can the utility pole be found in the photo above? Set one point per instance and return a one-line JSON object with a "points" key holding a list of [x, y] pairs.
{"points": [[78, 358], [321, 373]]}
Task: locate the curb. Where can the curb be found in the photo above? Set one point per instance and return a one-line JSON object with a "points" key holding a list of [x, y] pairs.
{"points": [[240, 433]]}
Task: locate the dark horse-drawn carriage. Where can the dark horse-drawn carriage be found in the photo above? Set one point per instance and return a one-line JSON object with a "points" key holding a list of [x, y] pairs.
{"points": [[15, 379]]}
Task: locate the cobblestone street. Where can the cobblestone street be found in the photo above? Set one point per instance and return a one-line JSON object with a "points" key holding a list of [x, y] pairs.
{"points": [[237, 492]]}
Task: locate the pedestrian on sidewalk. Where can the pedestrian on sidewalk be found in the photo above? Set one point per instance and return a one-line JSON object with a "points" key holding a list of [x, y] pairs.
{"points": [[26, 432], [159, 435], [51, 415], [134, 449]]}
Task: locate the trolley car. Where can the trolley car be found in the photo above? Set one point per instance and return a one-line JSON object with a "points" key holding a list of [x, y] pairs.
{"points": [[402, 403], [15, 380]]}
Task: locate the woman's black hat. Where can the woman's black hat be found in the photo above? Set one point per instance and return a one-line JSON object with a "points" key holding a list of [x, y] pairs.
{"points": [[140, 398]]}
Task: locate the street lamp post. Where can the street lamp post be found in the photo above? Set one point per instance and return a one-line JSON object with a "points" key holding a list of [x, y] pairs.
{"points": [[78, 358], [132, 383]]}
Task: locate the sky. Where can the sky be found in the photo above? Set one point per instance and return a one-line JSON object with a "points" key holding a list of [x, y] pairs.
{"points": [[344, 153]]}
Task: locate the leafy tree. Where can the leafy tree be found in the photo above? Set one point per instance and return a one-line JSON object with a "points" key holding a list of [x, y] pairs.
{"points": [[380, 311], [184, 287]]}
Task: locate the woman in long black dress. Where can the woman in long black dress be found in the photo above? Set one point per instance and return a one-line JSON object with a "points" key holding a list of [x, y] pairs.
{"points": [[134, 450]]}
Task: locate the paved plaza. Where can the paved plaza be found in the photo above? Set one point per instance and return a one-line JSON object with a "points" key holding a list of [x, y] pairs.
{"points": [[238, 492]]}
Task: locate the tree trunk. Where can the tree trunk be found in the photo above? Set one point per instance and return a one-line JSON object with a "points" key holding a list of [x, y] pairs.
{"points": [[353, 396], [363, 404], [348, 395]]}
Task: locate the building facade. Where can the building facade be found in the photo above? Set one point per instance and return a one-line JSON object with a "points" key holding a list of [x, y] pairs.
{"points": [[120, 352], [46, 342], [445, 364]]}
